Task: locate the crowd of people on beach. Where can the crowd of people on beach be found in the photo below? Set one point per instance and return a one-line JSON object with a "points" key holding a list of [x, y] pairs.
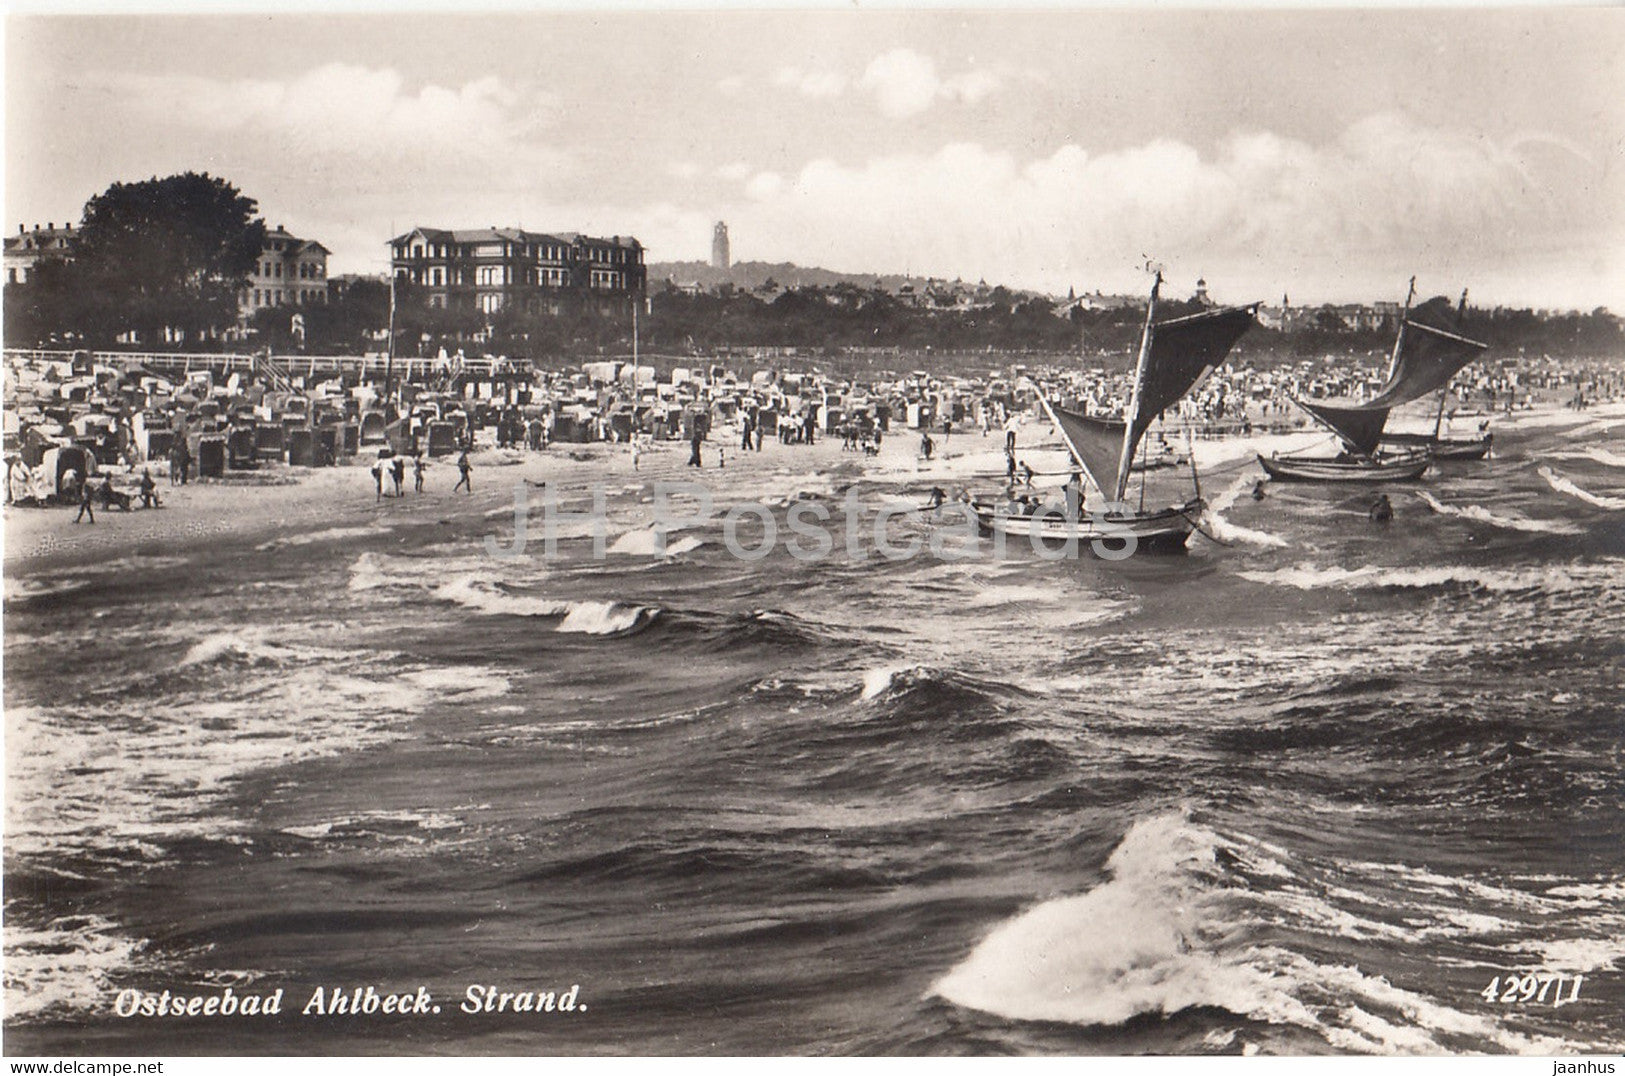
{"points": [[796, 408]]}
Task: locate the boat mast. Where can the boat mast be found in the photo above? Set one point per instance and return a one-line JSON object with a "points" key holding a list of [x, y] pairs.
{"points": [[1438, 419], [1125, 457], [1399, 338], [1190, 454]]}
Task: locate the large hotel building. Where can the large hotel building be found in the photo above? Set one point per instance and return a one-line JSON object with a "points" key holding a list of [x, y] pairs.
{"points": [[492, 269]]}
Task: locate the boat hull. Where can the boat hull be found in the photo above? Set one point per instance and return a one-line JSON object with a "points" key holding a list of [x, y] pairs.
{"points": [[1301, 469], [1161, 532], [1443, 448]]}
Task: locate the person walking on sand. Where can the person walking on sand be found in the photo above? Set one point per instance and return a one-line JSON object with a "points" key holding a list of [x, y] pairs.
{"points": [[694, 450], [85, 508], [418, 468], [637, 451], [926, 446], [378, 477], [397, 473], [466, 470], [757, 430]]}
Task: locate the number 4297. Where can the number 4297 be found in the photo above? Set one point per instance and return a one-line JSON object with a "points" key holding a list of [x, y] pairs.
{"points": [[1523, 989]]}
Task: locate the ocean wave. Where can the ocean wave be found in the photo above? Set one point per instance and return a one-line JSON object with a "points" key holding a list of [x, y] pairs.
{"points": [[251, 647], [605, 618], [646, 543], [1176, 925], [475, 593], [331, 534], [1226, 531], [931, 686], [1372, 577], [1563, 485], [1480, 514], [1131, 945], [408, 826], [68, 963], [575, 617]]}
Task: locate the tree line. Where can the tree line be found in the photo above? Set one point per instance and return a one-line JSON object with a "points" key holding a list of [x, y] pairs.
{"points": [[161, 263]]}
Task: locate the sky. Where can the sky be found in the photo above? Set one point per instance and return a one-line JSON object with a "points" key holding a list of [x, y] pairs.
{"points": [[1325, 155]]}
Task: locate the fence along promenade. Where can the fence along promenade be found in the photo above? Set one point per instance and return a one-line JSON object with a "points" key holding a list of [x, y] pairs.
{"points": [[280, 370]]}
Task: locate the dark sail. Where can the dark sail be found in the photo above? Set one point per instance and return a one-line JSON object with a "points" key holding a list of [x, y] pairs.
{"points": [[1181, 352], [1094, 443], [1358, 425], [1428, 355]]}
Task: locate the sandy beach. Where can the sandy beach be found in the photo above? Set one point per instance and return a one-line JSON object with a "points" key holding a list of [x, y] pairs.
{"points": [[281, 504]]}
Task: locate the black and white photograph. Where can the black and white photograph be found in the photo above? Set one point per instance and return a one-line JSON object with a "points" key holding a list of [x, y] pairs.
{"points": [[831, 531]]}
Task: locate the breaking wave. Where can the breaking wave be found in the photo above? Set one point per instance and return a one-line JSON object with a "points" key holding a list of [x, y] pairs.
{"points": [[1499, 580], [1563, 485], [576, 617], [1483, 515], [1226, 531], [646, 543], [1179, 924]]}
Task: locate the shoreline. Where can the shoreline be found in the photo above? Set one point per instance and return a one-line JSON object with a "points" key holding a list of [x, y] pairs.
{"points": [[280, 503]]}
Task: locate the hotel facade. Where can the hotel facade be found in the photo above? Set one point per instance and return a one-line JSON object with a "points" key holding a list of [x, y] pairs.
{"points": [[496, 269]]}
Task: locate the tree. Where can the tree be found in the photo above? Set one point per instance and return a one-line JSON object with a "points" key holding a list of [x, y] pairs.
{"points": [[164, 256]]}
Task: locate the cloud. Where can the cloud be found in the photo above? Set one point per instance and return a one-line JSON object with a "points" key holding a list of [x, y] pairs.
{"points": [[765, 186], [905, 83], [1385, 198], [820, 84], [350, 111], [734, 172]]}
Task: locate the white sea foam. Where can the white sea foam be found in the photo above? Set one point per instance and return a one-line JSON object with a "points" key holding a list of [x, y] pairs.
{"points": [[474, 593], [1479, 514], [68, 964], [460, 682], [331, 534], [603, 618], [1571, 956], [645, 543], [1232, 492], [1310, 577], [408, 826], [1563, 485], [876, 682], [1603, 456], [1163, 933], [1226, 531], [254, 646]]}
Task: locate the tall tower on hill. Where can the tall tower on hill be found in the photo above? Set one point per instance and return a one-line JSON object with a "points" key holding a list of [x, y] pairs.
{"points": [[719, 246]]}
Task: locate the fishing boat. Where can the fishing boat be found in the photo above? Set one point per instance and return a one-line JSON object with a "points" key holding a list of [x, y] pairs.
{"points": [[1174, 355], [1442, 448], [1348, 468], [1427, 354]]}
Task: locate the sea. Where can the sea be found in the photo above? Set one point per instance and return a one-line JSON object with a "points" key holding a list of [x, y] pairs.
{"points": [[1322, 785]]}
